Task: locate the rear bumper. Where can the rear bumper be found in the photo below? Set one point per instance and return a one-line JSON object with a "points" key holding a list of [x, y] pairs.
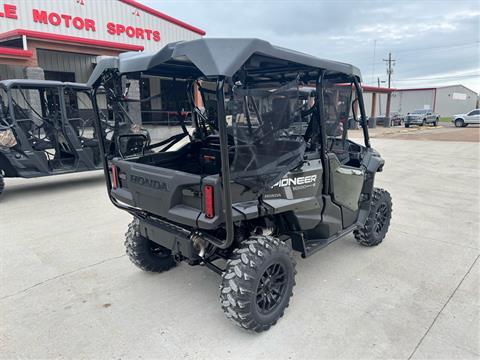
{"points": [[169, 236]]}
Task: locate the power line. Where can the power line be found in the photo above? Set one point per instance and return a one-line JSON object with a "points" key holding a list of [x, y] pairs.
{"points": [[451, 46], [441, 78], [446, 78]]}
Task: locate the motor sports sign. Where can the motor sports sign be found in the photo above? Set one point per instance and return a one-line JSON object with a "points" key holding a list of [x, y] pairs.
{"points": [[124, 21]]}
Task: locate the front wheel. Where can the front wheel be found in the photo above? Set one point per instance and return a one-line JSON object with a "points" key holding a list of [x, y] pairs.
{"points": [[378, 221], [459, 123], [146, 254], [258, 282], [424, 122], [407, 125]]}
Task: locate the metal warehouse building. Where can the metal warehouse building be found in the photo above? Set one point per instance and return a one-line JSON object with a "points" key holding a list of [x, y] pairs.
{"points": [[61, 40], [443, 100]]}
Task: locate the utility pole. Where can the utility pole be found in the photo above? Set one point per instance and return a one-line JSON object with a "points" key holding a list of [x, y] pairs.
{"points": [[390, 63], [379, 98], [373, 60]]}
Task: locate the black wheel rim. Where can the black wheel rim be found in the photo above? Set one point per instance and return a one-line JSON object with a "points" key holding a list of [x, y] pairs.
{"points": [[381, 217], [271, 288]]}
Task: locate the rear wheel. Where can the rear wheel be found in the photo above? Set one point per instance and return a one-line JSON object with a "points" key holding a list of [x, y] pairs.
{"points": [[459, 123], [2, 184], [258, 283], [378, 220], [146, 254], [435, 123]]}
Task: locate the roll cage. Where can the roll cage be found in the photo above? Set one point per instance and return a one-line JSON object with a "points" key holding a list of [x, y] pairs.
{"points": [[229, 64], [47, 128], [39, 109]]}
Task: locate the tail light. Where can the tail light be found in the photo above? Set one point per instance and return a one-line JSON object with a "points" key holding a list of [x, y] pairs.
{"points": [[114, 177], [208, 201]]}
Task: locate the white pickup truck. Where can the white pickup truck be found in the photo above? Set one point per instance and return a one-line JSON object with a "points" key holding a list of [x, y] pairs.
{"points": [[421, 117], [462, 120]]}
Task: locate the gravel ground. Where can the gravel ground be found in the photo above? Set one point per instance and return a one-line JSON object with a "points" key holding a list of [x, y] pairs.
{"points": [[443, 132]]}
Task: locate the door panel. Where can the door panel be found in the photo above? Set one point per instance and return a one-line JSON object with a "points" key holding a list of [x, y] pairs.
{"points": [[346, 183], [473, 117]]}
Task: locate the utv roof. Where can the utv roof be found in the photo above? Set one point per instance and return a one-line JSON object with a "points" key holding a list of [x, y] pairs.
{"points": [[213, 57], [8, 84]]}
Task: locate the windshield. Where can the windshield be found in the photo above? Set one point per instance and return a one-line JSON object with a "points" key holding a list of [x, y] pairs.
{"points": [[420, 111]]}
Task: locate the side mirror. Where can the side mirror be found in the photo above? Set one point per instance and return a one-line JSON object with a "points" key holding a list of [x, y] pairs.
{"points": [[354, 114]]}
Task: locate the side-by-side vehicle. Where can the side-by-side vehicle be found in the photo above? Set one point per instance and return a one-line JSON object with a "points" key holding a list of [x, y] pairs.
{"points": [[267, 169], [47, 128]]}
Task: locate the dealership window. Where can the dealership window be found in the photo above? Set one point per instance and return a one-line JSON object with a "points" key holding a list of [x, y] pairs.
{"points": [[64, 77], [60, 76]]}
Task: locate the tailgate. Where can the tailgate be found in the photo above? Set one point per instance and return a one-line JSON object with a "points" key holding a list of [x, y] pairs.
{"points": [[171, 194]]}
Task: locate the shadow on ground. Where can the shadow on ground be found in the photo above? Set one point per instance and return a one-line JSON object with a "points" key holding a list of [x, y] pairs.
{"points": [[60, 183]]}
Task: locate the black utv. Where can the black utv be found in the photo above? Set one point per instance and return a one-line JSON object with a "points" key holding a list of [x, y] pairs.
{"points": [[47, 128], [267, 168]]}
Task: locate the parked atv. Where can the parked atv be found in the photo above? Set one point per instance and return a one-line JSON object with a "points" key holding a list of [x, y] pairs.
{"points": [[47, 128], [250, 184]]}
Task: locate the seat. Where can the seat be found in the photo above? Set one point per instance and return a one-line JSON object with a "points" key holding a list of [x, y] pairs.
{"points": [[41, 144]]}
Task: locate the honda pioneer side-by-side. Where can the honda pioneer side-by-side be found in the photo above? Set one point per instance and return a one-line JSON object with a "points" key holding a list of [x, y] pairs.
{"points": [[266, 169], [47, 128]]}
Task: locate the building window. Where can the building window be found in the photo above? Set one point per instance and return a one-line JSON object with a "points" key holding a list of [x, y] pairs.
{"points": [[60, 76]]}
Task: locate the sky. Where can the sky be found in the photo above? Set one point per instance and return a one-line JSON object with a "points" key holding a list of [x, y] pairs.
{"points": [[434, 43]]}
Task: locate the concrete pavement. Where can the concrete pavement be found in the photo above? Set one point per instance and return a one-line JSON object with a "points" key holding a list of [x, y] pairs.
{"points": [[68, 291]]}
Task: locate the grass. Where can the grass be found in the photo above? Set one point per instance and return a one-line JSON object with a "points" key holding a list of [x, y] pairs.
{"points": [[446, 119]]}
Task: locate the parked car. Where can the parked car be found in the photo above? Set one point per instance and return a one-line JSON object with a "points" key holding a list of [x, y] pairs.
{"points": [[382, 121], [397, 119], [421, 117], [394, 119], [462, 120]]}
